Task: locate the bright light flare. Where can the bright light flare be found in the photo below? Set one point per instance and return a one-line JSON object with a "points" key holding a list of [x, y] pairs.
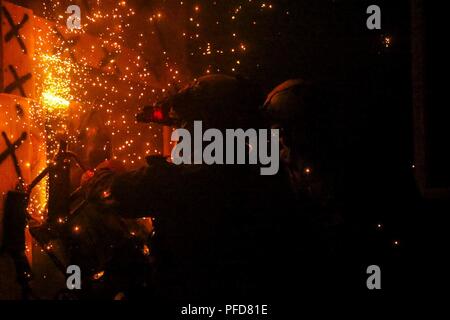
{"points": [[53, 102]]}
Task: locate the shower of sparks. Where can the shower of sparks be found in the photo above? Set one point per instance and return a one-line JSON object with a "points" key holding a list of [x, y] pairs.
{"points": [[118, 95], [56, 80], [73, 88], [158, 48]]}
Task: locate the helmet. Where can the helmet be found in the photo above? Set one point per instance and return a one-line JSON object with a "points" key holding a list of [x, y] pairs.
{"points": [[308, 109], [308, 115], [285, 103], [220, 101]]}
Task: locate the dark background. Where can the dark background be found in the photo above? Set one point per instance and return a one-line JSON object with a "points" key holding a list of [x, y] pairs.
{"points": [[328, 41]]}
